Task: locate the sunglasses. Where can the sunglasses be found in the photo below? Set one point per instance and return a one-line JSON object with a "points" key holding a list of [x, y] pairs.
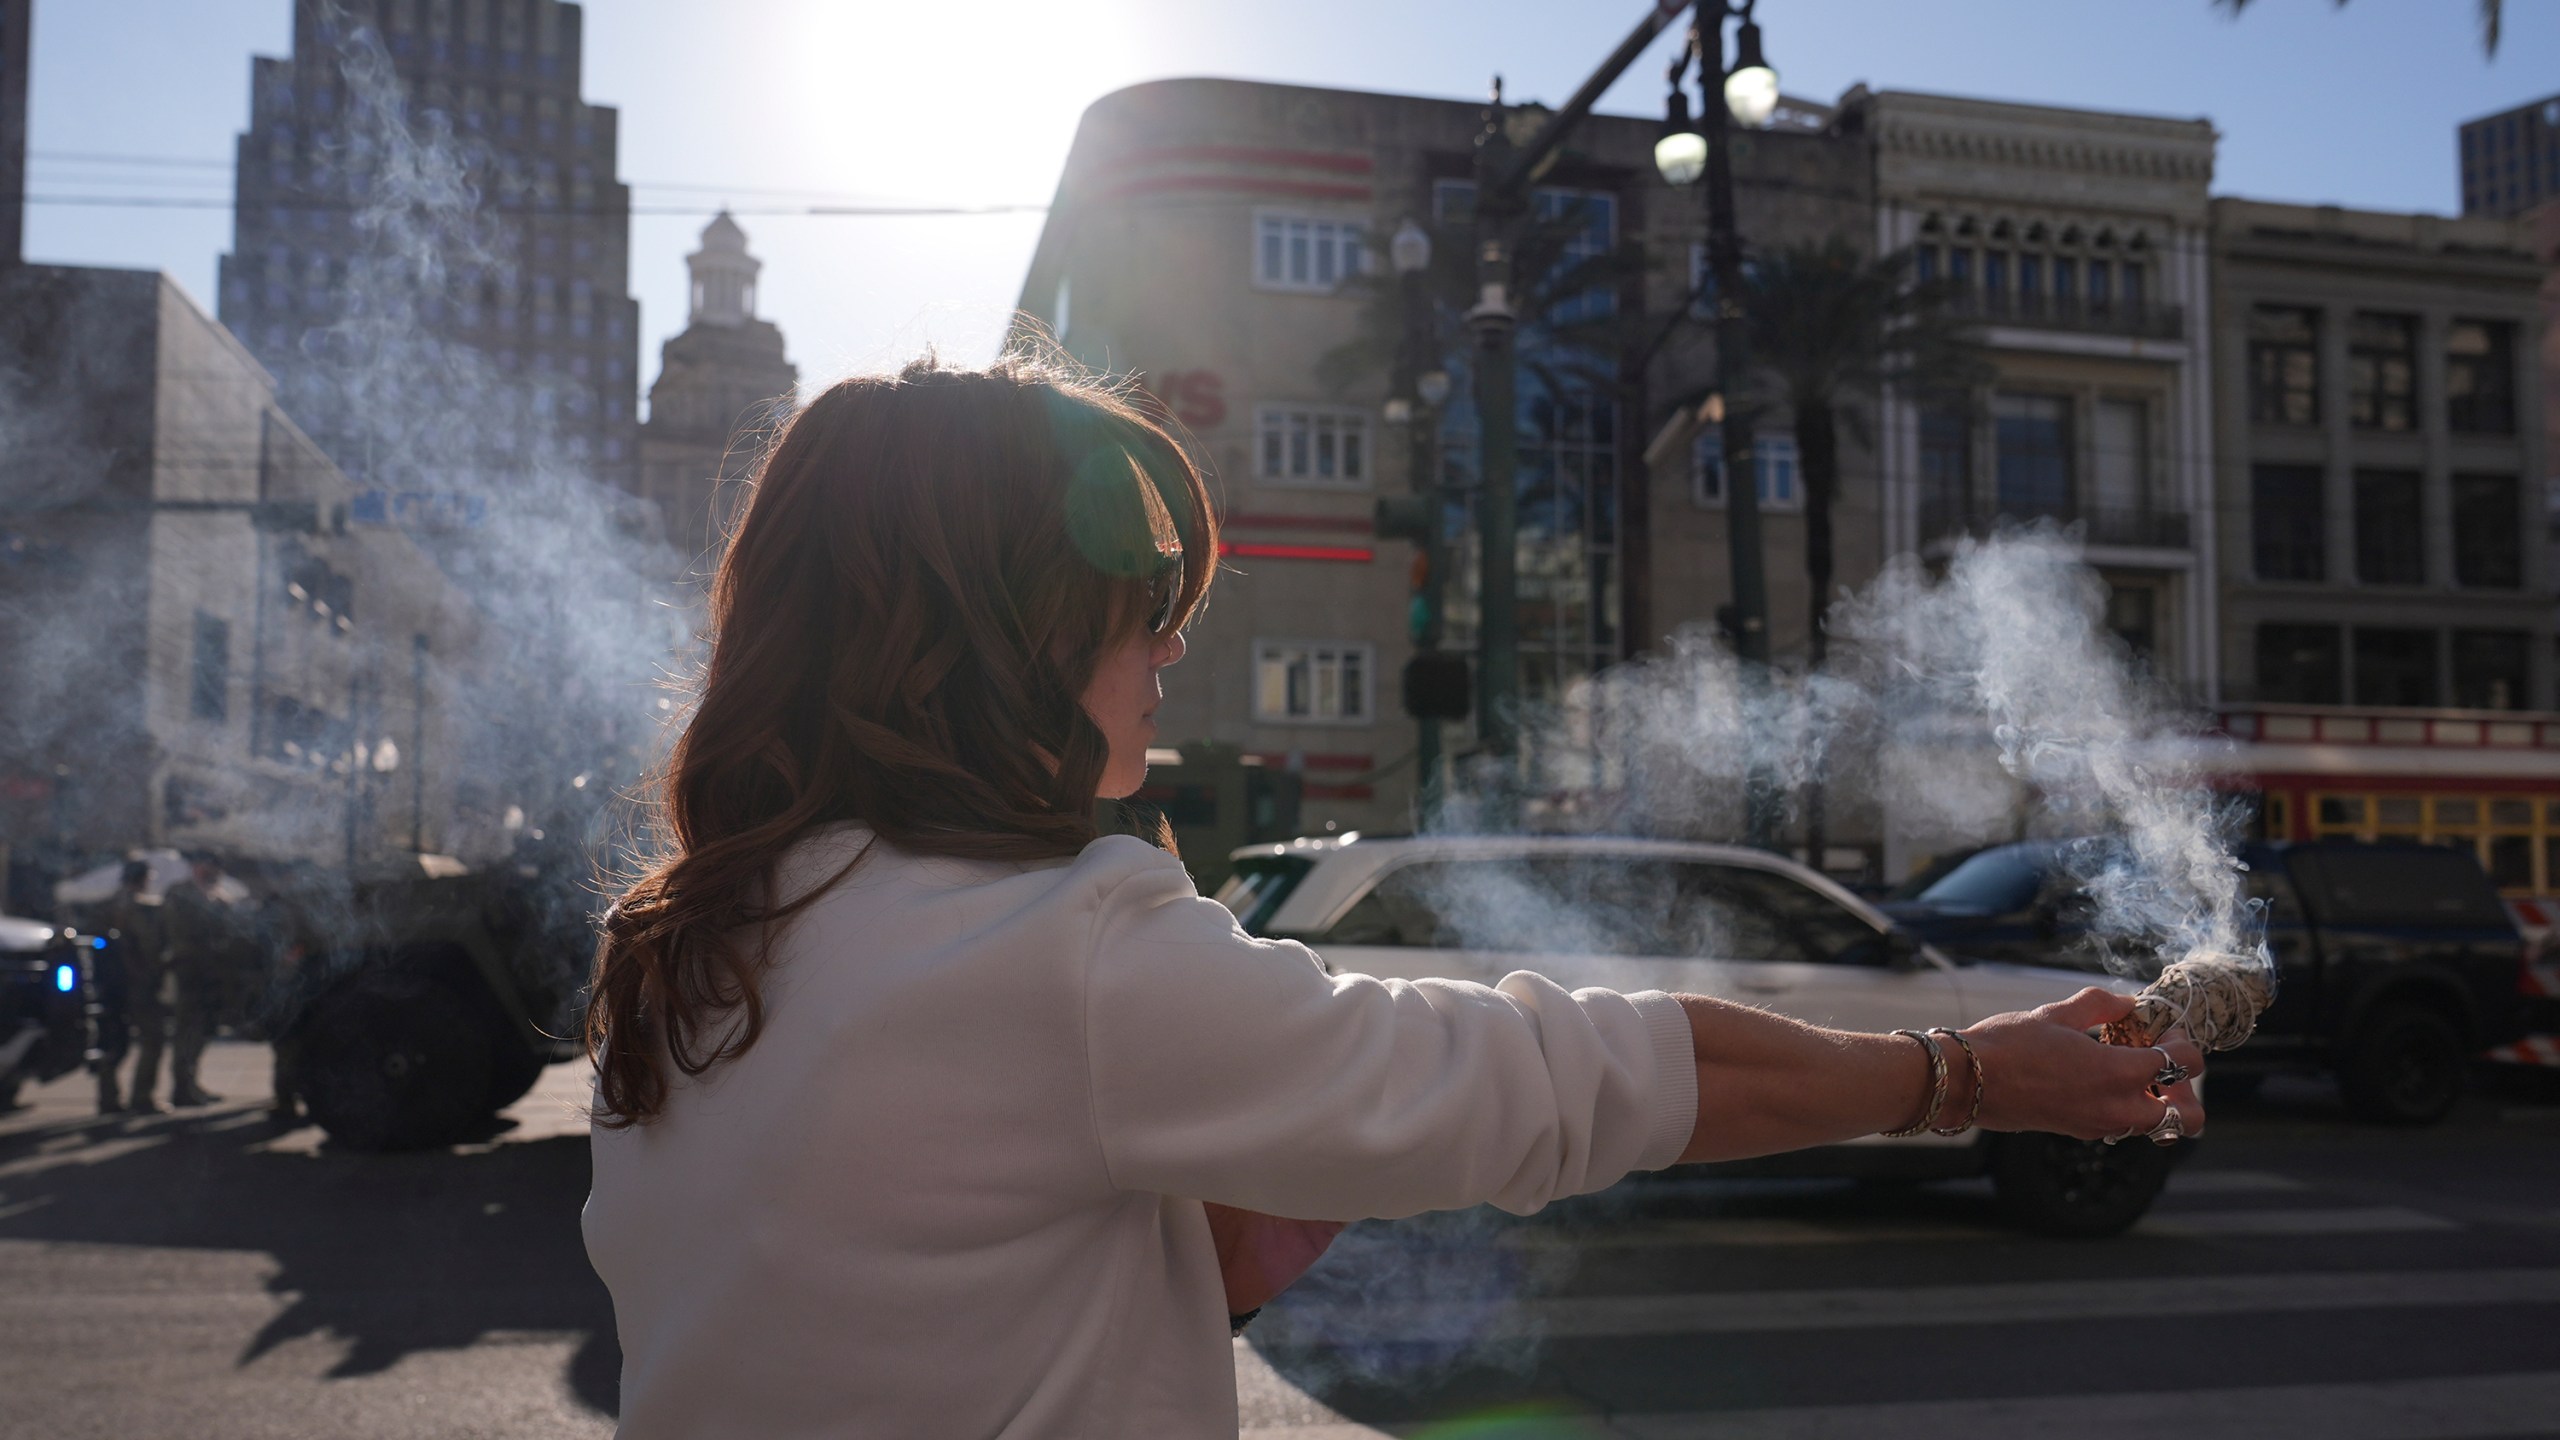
{"points": [[1164, 588]]}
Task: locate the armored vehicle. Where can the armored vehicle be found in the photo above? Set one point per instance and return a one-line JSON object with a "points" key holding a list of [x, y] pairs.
{"points": [[420, 1005]]}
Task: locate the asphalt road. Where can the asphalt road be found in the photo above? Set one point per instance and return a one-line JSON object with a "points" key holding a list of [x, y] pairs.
{"points": [[206, 1274]]}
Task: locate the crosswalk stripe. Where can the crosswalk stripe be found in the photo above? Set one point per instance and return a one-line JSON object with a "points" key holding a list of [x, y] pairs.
{"points": [[2347, 1220], [2032, 1302], [2434, 1409]]}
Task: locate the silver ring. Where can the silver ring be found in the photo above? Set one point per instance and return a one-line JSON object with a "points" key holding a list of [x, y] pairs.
{"points": [[2171, 1129], [2171, 1072]]}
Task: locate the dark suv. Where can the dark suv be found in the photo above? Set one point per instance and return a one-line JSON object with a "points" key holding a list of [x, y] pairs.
{"points": [[2396, 962]]}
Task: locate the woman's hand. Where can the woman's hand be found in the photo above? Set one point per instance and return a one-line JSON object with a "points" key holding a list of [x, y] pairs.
{"points": [[2044, 1072], [1260, 1255], [1768, 1084]]}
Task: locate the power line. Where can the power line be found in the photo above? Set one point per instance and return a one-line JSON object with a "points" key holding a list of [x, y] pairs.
{"points": [[207, 202], [814, 194]]}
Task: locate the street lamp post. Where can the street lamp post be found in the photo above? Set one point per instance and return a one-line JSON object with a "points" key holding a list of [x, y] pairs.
{"points": [[1420, 387], [1748, 95]]}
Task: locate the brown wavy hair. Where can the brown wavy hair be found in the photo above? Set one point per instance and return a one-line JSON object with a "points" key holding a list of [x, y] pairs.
{"points": [[917, 595]]}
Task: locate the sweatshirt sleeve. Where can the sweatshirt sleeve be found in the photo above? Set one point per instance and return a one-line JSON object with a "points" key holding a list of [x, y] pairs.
{"points": [[1236, 1070]]}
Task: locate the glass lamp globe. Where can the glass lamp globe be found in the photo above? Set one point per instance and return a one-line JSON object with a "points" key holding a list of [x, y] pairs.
{"points": [[1751, 91], [1681, 153], [1752, 95], [1410, 248], [1681, 156]]}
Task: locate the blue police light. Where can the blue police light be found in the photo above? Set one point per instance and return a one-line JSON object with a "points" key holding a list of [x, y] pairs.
{"points": [[97, 942], [65, 978]]}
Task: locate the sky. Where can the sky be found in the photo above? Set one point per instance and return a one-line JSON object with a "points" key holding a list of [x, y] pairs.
{"points": [[772, 104]]}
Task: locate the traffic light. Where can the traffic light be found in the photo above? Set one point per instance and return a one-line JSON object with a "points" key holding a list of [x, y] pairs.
{"points": [[1437, 686], [1403, 517]]}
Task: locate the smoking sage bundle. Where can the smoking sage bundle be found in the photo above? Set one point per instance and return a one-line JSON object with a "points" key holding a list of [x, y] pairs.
{"points": [[2215, 996]]}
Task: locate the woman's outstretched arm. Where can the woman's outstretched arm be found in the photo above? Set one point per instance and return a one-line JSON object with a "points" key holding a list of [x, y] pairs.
{"points": [[1768, 1084]]}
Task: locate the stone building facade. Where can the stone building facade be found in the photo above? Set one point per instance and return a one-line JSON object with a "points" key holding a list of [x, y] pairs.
{"points": [[722, 384], [2079, 239], [201, 651], [1225, 242], [2381, 453]]}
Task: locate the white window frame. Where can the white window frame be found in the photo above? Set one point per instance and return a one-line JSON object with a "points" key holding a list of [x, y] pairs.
{"points": [[1327, 689], [1290, 446], [1337, 248], [1774, 460]]}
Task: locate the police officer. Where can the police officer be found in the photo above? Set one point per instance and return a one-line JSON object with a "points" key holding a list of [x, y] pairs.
{"points": [[198, 930], [124, 972]]}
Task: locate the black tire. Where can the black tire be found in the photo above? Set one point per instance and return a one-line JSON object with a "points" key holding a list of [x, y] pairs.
{"points": [[513, 1068], [2079, 1189], [2406, 1065], [394, 1063]]}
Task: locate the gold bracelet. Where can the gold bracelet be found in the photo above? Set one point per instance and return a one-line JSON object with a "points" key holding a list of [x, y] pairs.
{"points": [[1937, 1087], [1972, 1112]]}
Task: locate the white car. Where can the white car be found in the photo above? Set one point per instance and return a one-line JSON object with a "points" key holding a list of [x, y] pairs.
{"points": [[1718, 920]]}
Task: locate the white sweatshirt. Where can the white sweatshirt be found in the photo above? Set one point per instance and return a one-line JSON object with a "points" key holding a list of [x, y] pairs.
{"points": [[954, 1189]]}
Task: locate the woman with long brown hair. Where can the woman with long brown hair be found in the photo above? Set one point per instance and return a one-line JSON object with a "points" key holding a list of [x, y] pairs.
{"points": [[923, 1109]]}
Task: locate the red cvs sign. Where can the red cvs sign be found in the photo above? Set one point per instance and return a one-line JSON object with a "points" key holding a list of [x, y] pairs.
{"points": [[1197, 398]]}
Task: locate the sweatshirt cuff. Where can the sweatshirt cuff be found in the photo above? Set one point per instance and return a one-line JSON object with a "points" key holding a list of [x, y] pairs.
{"points": [[1675, 1067]]}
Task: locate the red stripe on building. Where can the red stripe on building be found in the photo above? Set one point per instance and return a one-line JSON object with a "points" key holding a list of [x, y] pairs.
{"points": [[1336, 792], [1279, 759], [1342, 524], [1257, 550], [1244, 155], [1251, 185]]}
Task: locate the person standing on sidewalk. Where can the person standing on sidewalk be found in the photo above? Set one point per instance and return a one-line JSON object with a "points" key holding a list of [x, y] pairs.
{"points": [[199, 935], [126, 984]]}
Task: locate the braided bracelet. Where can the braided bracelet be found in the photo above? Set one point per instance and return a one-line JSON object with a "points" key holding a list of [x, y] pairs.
{"points": [[1937, 1087], [1972, 1112]]}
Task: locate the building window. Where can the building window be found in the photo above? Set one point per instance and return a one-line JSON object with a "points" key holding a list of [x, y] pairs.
{"points": [[1313, 682], [2122, 478], [2491, 669], [2133, 617], [2034, 456], [209, 686], [2390, 528], [2287, 521], [1773, 461], [1312, 445], [1303, 253], [2284, 365], [2480, 377], [1592, 218], [1946, 467], [2382, 372], [2300, 665], [2395, 666], [2488, 532]]}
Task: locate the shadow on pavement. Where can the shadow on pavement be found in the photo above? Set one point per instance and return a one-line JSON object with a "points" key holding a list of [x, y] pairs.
{"points": [[389, 1253]]}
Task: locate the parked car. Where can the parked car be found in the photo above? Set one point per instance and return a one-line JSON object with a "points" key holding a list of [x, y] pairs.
{"points": [[44, 1003], [2396, 962], [1704, 919]]}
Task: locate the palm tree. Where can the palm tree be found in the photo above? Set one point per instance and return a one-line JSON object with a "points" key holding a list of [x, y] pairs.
{"points": [[2491, 13], [1829, 328]]}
